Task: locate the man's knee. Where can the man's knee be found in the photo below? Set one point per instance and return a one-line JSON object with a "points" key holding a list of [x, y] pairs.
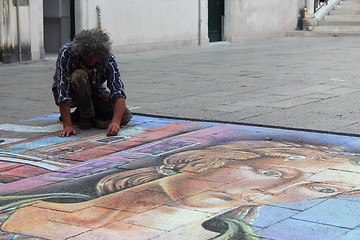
{"points": [[79, 78]]}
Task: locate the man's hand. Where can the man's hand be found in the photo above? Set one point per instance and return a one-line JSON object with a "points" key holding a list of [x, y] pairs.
{"points": [[113, 129], [67, 123], [67, 131]]}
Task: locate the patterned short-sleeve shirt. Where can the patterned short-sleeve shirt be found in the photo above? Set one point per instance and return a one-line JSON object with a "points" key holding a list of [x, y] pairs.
{"points": [[106, 70]]}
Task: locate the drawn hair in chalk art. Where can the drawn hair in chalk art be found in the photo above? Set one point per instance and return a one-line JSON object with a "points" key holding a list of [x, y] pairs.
{"points": [[241, 176]]}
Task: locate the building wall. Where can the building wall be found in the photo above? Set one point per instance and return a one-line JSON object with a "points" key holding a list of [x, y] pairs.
{"points": [[141, 24], [144, 24], [254, 19], [135, 25]]}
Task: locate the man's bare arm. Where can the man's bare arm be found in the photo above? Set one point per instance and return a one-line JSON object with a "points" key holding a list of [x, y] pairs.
{"points": [[67, 122], [119, 109]]}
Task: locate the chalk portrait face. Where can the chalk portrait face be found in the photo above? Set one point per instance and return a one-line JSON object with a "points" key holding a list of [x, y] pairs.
{"points": [[258, 173]]}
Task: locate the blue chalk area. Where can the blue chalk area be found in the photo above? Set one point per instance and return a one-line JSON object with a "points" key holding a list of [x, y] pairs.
{"points": [[44, 142], [333, 218], [269, 215], [49, 117], [161, 121], [150, 122]]}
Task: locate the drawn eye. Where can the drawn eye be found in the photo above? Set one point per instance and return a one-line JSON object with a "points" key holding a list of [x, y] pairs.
{"points": [[322, 189], [269, 173], [297, 157]]}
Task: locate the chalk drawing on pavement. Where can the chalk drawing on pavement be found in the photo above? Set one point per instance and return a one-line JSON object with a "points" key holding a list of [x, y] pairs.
{"points": [[208, 180]]}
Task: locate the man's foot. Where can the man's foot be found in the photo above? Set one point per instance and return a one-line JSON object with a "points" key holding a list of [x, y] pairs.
{"points": [[85, 123]]}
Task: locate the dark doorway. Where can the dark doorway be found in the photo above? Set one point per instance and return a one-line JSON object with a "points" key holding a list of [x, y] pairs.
{"points": [[57, 23], [72, 19], [215, 20]]}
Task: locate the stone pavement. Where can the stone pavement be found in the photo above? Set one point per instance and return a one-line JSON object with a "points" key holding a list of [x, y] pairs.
{"points": [[306, 83], [289, 185]]}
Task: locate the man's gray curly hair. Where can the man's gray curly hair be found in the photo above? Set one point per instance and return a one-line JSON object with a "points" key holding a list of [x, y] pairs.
{"points": [[92, 43]]}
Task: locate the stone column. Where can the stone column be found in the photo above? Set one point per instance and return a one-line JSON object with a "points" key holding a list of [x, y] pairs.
{"points": [[15, 38], [310, 20], [310, 8]]}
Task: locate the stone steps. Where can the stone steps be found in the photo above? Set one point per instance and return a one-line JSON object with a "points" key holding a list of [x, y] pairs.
{"points": [[339, 23], [350, 2], [345, 12], [333, 28], [347, 7], [321, 34], [343, 20]]}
